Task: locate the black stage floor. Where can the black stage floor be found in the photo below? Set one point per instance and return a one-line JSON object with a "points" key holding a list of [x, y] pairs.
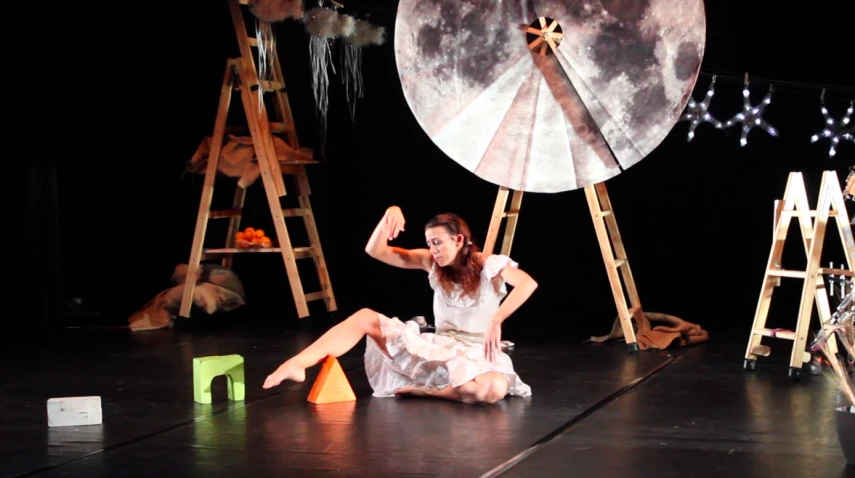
{"points": [[596, 411]]}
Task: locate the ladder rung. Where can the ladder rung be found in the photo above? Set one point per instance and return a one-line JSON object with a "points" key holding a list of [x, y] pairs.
{"points": [[271, 85], [225, 213], [607, 212], [785, 273], [776, 333], [238, 250], [839, 272], [299, 252], [275, 127], [809, 213], [620, 262], [512, 213], [305, 252], [295, 212], [317, 295]]}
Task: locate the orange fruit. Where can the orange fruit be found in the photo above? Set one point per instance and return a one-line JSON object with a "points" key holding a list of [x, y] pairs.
{"points": [[259, 233], [256, 240], [239, 236], [266, 241], [249, 233]]}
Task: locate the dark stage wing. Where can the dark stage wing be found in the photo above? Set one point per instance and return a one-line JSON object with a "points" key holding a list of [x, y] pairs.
{"points": [[609, 94]]}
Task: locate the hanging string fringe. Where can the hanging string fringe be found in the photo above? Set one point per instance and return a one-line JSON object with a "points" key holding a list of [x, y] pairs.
{"points": [[351, 75], [324, 26], [319, 52], [266, 38]]}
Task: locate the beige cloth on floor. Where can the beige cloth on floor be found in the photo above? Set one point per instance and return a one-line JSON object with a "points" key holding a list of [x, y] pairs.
{"points": [[217, 288], [672, 331]]}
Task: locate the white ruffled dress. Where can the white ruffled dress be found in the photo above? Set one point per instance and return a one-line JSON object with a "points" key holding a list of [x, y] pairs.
{"points": [[454, 354]]}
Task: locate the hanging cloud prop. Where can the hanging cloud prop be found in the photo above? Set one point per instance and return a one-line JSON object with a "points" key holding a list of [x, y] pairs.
{"points": [[365, 33], [323, 25], [326, 23]]}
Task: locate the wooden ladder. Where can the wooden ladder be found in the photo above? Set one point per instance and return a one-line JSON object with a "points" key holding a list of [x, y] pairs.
{"points": [[241, 75], [499, 212], [795, 204], [611, 247]]}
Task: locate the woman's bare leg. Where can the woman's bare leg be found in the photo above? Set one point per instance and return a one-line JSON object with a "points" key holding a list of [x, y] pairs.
{"points": [[336, 341], [486, 388]]}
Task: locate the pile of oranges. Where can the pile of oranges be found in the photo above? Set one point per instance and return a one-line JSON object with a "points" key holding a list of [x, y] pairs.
{"points": [[252, 238]]}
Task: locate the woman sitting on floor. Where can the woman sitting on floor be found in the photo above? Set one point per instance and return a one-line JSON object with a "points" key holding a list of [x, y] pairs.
{"points": [[463, 360]]}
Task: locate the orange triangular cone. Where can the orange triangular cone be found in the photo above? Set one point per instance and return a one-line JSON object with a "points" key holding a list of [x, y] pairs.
{"points": [[331, 385]]}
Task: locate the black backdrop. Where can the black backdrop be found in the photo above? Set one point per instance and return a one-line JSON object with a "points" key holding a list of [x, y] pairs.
{"points": [[133, 90]]}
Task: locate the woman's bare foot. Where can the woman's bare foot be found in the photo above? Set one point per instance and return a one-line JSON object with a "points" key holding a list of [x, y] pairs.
{"points": [[413, 391], [286, 371]]}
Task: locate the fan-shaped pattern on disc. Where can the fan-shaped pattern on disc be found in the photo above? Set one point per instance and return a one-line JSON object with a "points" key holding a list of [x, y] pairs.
{"points": [[607, 97]]}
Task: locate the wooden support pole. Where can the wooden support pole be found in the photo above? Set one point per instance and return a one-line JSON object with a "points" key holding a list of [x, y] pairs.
{"points": [[608, 236]]}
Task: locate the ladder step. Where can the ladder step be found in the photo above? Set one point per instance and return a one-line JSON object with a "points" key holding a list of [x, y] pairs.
{"points": [[275, 127], [620, 262], [295, 212], [305, 252], [238, 250], [272, 85], [606, 212], [512, 214], [317, 295], [776, 333], [785, 273], [299, 252], [809, 213], [838, 272], [278, 127], [225, 213]]}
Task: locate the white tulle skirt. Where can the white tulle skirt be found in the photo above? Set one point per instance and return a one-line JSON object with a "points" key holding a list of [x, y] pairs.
{"points": [[428, 359]]}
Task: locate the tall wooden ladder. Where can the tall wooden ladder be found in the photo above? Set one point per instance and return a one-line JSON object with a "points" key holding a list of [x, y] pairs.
{"points": [[611, 248], [241, 75], [795, 204]]}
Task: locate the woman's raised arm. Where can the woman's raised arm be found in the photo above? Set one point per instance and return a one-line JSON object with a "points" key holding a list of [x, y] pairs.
{"points": [[387, 229]]}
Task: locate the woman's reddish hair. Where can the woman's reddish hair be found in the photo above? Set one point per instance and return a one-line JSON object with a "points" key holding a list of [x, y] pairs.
{"points": [[465, 269]]}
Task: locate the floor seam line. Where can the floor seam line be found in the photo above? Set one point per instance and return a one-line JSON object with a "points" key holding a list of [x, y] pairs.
{"points": [[561, 430]]}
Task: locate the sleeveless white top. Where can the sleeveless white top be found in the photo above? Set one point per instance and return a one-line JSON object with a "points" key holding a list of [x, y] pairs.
{"points": [[468, 314]]}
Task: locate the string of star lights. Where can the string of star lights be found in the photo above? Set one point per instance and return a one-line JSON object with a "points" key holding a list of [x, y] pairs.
{"points": [[752, 116], [834, 130], [697, 113]]}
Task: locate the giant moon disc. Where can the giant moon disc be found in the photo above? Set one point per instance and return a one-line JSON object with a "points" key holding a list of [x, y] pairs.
{"points": [[548, 95]]}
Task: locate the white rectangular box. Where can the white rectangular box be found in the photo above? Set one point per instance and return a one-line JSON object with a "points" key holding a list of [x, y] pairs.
{"points": [[74, 411]]}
